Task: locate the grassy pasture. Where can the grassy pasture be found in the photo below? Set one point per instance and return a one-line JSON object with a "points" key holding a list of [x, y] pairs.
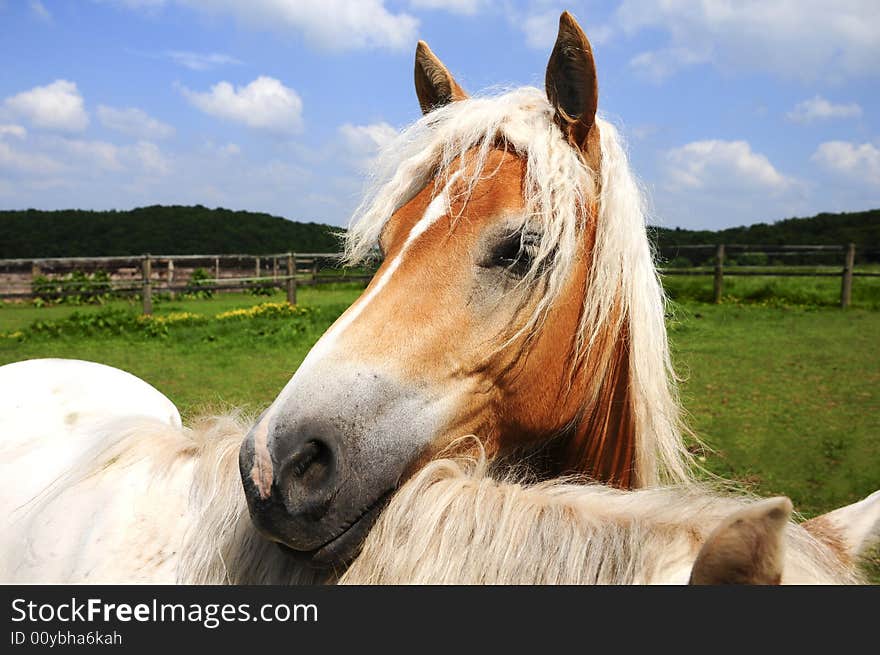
{"points": [[785, 394], [769, 290], [200, 367]]}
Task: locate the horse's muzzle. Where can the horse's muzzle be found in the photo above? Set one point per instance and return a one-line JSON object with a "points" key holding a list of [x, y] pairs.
{"points": [[291, 476], [316, 474]]}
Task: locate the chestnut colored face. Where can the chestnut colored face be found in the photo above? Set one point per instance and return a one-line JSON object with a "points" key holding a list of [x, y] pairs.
{"points": [[429, 353], [418, 361]]}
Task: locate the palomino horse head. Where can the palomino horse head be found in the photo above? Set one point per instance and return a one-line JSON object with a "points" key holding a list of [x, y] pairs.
{"points": [[517, 301]]}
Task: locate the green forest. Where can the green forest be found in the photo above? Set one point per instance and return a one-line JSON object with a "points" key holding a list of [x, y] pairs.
{"points": [[179, 230], [861, 228], [174, 230]]}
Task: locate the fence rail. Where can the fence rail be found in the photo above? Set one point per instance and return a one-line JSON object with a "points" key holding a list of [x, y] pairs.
{"points": [[146, 275], [149, 274], [719, 272]]}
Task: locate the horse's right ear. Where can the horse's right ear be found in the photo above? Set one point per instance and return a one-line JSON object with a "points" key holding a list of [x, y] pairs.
{"points": [[747, 548], [435, 85], [573, 89]]}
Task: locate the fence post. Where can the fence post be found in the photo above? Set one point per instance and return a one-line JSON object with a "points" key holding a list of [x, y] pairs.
{"points": [[216, 268], [291, 278], [171, 278], [147, 270], [719, 273], [257, 267], [847, 276], [275, 268]]}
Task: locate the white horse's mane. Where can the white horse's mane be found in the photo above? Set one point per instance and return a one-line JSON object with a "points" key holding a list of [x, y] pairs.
{"points": [[624, 289], [452, 522], [455, 524], [221, 546]]}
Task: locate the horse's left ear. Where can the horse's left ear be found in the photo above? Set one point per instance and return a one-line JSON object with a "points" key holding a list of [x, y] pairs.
{"points": [[855, 527], [572, 87], [435, 85], [747, 548]]}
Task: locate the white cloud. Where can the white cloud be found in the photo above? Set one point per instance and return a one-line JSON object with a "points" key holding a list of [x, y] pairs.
{"points": [[19, 161], [363, 142], [227, 149], [57, 106], [808, 39], [150, 158], [367, 139], [101, 154], [327, 24], [643, 132], [39, 10], [540, 29], [51, 171], [716, 183], [264, 103], [75, 159], [818, 108], [134, 122], [13, 130], [856, 161], [657, 65], [466, 7], [539, 22], [716, 164], [201, 61]]}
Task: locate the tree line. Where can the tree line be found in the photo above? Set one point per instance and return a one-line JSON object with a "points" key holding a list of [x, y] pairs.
{"points": [[861, 228], [180, 230], [171, 230]]}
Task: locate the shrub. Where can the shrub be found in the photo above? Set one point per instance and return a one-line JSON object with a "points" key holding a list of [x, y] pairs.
{"points": [[261, 288], [75, 288], [679, 262], [753, 259], [200, 282], [114, 321]]}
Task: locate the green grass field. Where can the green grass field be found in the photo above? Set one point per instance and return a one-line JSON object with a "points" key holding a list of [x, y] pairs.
{"points": [[769, 290], [242, 364], [786, 397]]}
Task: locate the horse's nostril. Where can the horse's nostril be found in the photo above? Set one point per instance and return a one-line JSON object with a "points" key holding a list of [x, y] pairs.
{"points": [[301, 460], [310, 463]]}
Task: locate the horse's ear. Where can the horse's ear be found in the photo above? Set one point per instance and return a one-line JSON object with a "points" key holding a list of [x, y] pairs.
{"points": [[435, 85], [855, 528], [572, 87], [747, 548]]}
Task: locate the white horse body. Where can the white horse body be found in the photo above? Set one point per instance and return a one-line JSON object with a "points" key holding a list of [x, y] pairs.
{"points": [[454, 523], [136, 498], [51, 408], [55, 413], [124, 525]]}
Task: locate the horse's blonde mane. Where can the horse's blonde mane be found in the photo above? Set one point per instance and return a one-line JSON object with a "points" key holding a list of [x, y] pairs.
{"points": [[221, 545], [454, 524], [216, 542], [624, 295]]}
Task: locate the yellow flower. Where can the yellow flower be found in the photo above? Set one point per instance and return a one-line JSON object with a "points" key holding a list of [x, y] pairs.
{"points": [[264, 309]]}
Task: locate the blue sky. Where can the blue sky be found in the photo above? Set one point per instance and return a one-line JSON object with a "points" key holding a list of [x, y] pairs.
{"points": [[734, 112]]}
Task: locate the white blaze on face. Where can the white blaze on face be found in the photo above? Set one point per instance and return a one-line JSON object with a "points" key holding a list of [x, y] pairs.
{"points": [[262, 471]]}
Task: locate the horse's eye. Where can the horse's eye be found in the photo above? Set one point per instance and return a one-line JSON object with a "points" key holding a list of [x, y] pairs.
{"points": [[515, 252]]}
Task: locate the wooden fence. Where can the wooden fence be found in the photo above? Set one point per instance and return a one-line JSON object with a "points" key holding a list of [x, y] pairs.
{"points": [[146, 275], [719, 272]]}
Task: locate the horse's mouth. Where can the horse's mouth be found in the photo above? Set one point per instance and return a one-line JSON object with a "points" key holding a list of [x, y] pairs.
{"points": [[342, 548]]}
